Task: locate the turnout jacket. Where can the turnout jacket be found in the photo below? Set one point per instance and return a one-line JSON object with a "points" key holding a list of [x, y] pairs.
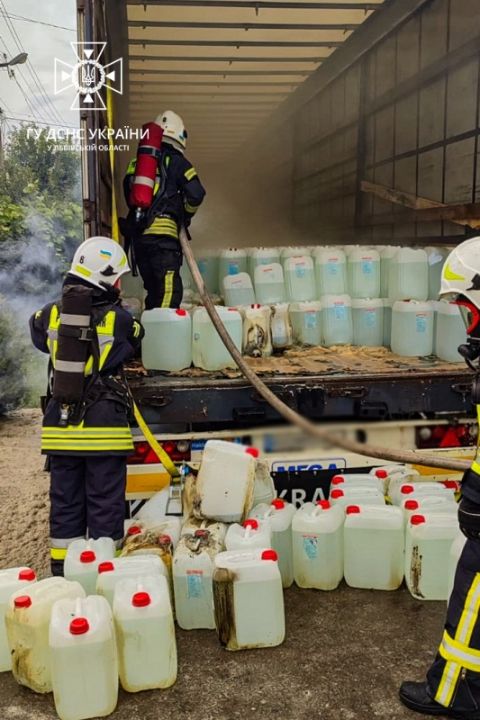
{"points": [[104, 428], [178, 193]]}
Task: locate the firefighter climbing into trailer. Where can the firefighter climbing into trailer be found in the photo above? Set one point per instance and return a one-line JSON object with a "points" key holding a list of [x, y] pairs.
{"points": [[452, 686], [163, 192], [86, 427]]}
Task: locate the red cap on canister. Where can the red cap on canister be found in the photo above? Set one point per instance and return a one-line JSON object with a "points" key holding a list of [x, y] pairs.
{"points": [[254, 452], [134, 530], [251, 523], [141, 599], [22, 601], [27, 574], [105, 567], [79, 626], [165, 539], [87, 556], [417, 519], [407, 489], [337, 494], [352, 510], [324, 504], [181, 312], [269, 555], [202, 533], [278, 504], [411, 505], [450, 484], [381, 474], [338, 480]]}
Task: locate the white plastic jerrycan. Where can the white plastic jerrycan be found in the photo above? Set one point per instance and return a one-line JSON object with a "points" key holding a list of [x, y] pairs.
{"points": [[257, 337], [248, 598], [225, 481], [192, 578], [359, 480], [306, 320], [83, 558], [278, 514], [367, 322], [428, 540], [270, 284], [170, 525], [83, 657], [262, 256], [393, 476], [414, 490], [317, 532], [355, 494], [217, 530], [252, 533], [208, 351], [412, 328], [300, 279], [456, 550], [167, 344], [337, 323], [238, 290], [231, 261], [27, 620], [331, 271], [363, 269], [111, 572], [147, 649], [374, 538], [208, 263], [281, 329], [408, 278], [154, 512], [11, 580], [450, 332]]}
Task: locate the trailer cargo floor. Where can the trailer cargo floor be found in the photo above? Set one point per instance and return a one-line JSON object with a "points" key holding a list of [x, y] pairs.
{"points": [[345, 654]]}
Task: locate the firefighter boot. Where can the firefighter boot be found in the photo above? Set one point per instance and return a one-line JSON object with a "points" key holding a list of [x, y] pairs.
{"points": [[414, 695]]}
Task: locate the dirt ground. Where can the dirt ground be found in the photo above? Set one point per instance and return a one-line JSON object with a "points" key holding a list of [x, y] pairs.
{"points": [[345, 654]]}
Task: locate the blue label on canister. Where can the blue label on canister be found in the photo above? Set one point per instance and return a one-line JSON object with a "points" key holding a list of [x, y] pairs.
{"points": [[332, 267], [340, 312], [194, 585], [421, 323], [300, 271], [310, 545], [370, 318], [367, 267], [310, 320]]}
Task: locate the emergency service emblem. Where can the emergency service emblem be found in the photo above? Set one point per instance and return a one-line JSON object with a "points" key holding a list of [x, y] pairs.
{"points": [[87, 77]]}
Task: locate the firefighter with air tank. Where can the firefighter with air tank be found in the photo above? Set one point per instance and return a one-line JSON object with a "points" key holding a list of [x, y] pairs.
{"points": [[163, 192], [452, 685], [86, 427]]}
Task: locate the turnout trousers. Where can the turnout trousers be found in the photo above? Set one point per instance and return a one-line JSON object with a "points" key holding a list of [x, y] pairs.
{"points": [[87, 495], [159, 266], [454, 678]]}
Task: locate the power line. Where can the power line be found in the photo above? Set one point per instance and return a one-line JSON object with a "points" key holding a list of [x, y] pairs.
{"points": [[39, 22], [38, 122], [37, 81]]}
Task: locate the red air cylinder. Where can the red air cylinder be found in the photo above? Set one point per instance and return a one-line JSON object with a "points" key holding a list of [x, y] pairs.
{"points": [[141, 194]]}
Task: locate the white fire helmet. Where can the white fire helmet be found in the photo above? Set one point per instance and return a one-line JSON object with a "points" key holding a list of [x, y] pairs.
{"points": [[173, 129], [461, 272], [100, 261]]}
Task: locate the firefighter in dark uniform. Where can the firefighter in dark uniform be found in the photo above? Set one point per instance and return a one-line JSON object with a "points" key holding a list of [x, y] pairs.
{"points": [[178, 194], [86, 432], [452, 685]]}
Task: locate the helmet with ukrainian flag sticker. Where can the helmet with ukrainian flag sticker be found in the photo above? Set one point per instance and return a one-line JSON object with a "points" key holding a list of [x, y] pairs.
{"points": [[100, 261]]}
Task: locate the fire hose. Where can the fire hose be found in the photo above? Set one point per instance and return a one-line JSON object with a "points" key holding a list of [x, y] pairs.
{"points": [[397, 456]]}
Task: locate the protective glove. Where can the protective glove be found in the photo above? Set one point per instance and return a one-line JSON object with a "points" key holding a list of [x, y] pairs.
{"points": [[469, 519]]}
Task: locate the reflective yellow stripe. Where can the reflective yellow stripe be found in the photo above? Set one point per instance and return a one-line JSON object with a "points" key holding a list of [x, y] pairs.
{"points": [[38, 314], [91, 431], [163, 226], [463, 635], [82, 270], [131, 166], [476, 467], [192, 209], [190, 174], [58, 554], [451, 649], [136, 329], [167, 297], [127, 448]]}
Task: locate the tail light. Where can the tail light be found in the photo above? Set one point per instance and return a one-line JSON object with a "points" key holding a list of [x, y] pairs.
{"points": [[178, 451], [446, 436]]}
